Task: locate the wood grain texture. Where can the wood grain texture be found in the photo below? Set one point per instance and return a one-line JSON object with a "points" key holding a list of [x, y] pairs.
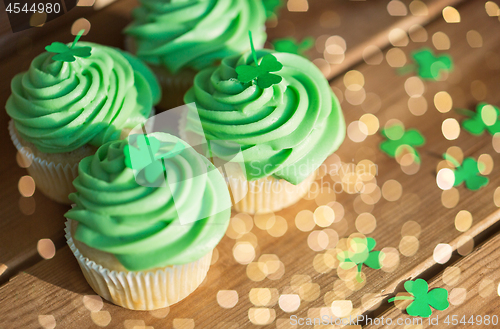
{"points": [[359, 23], [12, 43], [24, 46], [380, 36], [472, 291], [4, 20], [436, 221]]}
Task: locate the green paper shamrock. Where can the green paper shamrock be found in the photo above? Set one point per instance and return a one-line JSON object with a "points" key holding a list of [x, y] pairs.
{"points": [[399, 140], [429, 66], [361, 252], [67, 54], [485, 118], [272, 6], [261, 72], [145, 156], [423, 299], [469, 172], [291, 45]]}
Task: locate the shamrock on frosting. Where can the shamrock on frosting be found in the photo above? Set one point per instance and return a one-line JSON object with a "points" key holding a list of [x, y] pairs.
{"points": [[361, 252], [485, 118], [423, 299], [291, 45], [261, 73], [145, 156], [399, 140], [68, 54]]}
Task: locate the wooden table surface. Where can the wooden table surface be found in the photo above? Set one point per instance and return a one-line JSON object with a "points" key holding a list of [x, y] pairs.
{"points": [[425, 232]]}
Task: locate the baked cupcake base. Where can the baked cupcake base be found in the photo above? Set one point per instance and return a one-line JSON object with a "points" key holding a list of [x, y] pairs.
{"points": [[142, 290]]}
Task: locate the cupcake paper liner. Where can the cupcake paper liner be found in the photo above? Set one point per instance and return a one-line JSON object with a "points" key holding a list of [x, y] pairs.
{"points": [[55, 180], [266, 194], [143, 290]]}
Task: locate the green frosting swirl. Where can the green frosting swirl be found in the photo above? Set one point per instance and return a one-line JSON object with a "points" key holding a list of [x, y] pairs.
{"points": [[141, 225], [61, 106], [195, 33], [286, 130]]}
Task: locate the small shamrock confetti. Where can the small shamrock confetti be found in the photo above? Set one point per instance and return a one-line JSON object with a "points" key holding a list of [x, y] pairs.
{"points": [[260, 73], [427, 65], [399, 140], [68, 54], [468, 172], [272, 7], [361, 252], [292, 46], [485, 118], [145, 156], [423, 299]]}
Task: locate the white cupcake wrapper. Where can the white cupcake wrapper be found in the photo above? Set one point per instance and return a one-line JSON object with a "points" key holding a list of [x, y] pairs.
{"points": [[55, 180], [143, 290], [267, 194]]}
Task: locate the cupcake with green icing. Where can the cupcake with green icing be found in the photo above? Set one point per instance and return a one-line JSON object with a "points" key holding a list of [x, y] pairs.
{"points": [[179, 38], [73, 99], [148, 212], [274, 115]]}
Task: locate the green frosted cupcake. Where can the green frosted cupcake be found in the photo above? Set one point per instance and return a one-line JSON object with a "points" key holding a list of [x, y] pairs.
{"points": [[179, 38], [144, 237], [283, 117], [73, 99]]}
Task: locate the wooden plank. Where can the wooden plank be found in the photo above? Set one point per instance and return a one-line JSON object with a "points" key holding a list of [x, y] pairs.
{"points": [[472, 286], [357, 24], [41, 223], [4, 20], [436, 221], [21, 42], [380, 35], [11, 43], [420, 202]]}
